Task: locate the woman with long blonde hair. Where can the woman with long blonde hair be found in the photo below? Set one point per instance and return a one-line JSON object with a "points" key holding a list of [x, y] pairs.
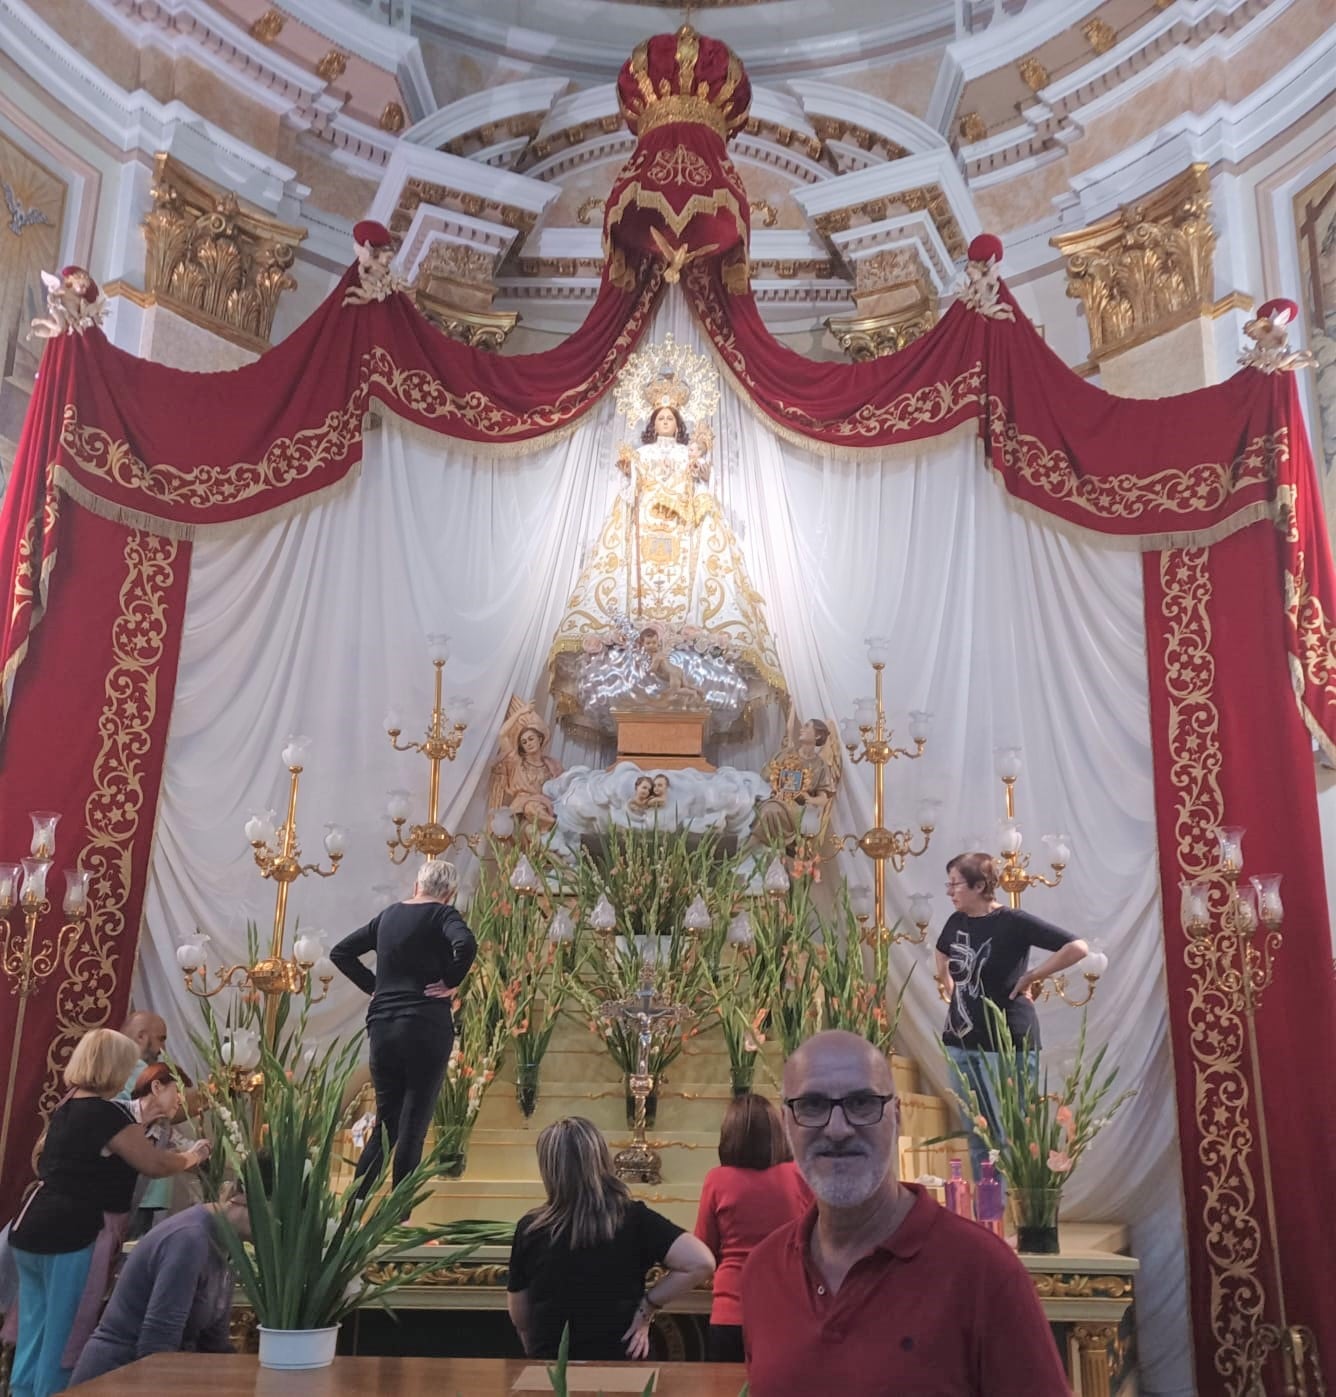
{"points": [[580, 1259]]}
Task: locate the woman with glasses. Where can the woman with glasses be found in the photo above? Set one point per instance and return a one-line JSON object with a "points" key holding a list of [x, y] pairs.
{"points": [[580, 1259], [755, 1189], [983, 954]]}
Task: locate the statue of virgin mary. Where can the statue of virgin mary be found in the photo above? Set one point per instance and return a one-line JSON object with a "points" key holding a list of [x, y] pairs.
{"points": [[663, 611]]}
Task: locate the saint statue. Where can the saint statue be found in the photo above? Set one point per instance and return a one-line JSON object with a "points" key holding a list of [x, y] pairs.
{"points": [[804, 774], [524, 767], [664, 602]]}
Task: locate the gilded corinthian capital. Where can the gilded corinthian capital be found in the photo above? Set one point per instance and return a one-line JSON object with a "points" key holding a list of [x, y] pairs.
{"points": [[212, 261], [1145, 268]]}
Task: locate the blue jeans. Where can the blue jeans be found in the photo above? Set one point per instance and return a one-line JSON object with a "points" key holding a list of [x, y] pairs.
{"points": [[50, 1288]]}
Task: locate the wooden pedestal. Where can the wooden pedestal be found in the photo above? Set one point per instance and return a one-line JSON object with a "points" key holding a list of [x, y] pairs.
{"points": [[669, 739]]}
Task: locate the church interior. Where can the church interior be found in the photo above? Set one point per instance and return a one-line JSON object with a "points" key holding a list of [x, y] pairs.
{"points": [[697, 470]]}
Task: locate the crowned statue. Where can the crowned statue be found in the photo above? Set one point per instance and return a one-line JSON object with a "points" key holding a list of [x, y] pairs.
{"points": [[523, 768], [663, 613]]}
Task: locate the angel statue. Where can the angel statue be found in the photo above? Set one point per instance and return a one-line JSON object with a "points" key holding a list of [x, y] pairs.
{"points": [[803, 775], [524, 767], [665, 563], [73, 304]]}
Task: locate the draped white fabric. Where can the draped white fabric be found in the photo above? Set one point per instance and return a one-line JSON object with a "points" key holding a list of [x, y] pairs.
{"points": [[1012, 633]]}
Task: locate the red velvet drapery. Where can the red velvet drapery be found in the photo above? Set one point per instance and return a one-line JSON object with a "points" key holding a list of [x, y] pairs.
{"points": [[121, 461]]}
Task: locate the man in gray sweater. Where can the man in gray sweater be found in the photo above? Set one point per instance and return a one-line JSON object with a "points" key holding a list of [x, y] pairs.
{"points": [[174, 1292]]}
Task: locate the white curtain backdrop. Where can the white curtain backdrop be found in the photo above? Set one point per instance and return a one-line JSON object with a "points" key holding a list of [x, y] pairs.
{"points": [[1012, 633]]}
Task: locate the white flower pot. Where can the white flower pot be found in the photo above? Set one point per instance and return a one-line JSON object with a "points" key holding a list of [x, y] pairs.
{"points": [[297, 1348]]}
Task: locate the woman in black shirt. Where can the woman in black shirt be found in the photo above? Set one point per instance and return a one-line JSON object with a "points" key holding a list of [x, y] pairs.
{"points": [[423, 951], [581, 1258], [983, 954], [93, 1152]]}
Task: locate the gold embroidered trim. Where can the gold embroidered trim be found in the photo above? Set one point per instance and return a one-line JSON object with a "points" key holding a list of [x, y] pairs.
{"points": [[699, 111], [1230, 1232], [38, 541], [112, 812], [1312, 650], [291, 459]]}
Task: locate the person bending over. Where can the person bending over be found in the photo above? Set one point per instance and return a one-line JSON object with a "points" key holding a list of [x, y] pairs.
{"points": [[174, 1293], [423, 951], [580, 1259]]}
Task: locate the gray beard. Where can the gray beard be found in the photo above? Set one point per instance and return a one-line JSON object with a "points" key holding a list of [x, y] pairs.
{"points": [[848, 1188]]}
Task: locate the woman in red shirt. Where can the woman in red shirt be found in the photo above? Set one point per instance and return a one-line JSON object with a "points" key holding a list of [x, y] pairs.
{"points": [[755, 1189]]}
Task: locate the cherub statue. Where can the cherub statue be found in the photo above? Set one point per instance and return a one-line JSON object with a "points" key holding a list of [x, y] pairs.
{"points": [[650, 641], [376, 278], [651, 793], [524, 768], [804, 773], [1269, 332], [980, 292], [73, 304]]}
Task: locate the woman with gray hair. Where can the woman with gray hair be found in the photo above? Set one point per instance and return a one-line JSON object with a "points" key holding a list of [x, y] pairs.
{"points": [[423, 951]]}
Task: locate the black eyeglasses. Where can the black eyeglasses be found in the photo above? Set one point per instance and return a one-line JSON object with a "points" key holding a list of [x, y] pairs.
{"points": [[859, 1107]]}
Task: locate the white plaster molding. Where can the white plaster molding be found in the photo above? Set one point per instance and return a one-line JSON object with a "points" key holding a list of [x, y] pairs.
{"points": [[1181, 38], [565, 244], [890, 178], [135, 121], [463, 176], [871, 113], [601, 149], [492, 104], [914, 230], [1229, 131], [507, 33], [1003, 43], [780, 108], [432, 225], [393, 50], [579, 108], [187, 28]]}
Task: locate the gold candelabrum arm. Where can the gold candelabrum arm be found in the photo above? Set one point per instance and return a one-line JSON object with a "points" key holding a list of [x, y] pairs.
{"points": [[25, 966], [430, 838], [882, 845], [1015, 876]]}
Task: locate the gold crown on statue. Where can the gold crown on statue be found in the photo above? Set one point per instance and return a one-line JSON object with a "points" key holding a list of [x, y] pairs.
{"points": [[667, 375]]}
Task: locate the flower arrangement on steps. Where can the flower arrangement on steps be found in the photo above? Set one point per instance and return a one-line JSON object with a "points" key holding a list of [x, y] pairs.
{"points": [[312, 1243], [1040, 1135], [534, 955]]}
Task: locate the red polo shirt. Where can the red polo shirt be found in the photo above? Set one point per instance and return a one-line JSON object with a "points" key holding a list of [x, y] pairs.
{"points": [[941, 1308]]}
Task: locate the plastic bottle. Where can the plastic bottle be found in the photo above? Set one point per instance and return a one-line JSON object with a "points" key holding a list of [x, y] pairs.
{"points": [[958, 1192], [990, 1202]]}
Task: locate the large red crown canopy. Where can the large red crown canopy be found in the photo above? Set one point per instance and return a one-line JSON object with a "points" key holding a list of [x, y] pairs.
{"points": [[679, 197]]}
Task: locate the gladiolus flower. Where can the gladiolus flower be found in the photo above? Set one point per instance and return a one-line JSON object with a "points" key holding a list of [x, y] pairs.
{"points": [[981, 1122], [1059, 1162], [1065, 1118], [1034, 1150]]}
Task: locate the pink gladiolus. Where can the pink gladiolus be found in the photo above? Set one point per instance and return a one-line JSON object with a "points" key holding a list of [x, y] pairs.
{"points": [[1058, 1162], [981, 1122], [1034, 1150], [1065, 1118]]}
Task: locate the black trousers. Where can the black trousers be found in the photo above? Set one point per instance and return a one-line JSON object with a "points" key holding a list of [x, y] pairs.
{"points": [[408, 1060], [724, 1344]]}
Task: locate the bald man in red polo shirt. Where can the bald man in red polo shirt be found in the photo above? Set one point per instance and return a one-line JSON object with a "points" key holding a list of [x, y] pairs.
{"points": [[879, 1291]]}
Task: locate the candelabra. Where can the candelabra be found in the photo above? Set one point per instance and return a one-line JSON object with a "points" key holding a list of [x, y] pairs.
{"points": [[868, 739], [441, 744], [26, 966], [1015, 877], [278, 857], [1238, 953]]}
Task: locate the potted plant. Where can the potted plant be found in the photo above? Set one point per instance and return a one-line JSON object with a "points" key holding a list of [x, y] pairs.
{"points": [[1041, 1134], [311, 1242]]}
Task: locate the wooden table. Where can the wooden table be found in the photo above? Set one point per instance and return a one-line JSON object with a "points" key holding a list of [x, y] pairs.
{"points": [[240, 1375]]}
